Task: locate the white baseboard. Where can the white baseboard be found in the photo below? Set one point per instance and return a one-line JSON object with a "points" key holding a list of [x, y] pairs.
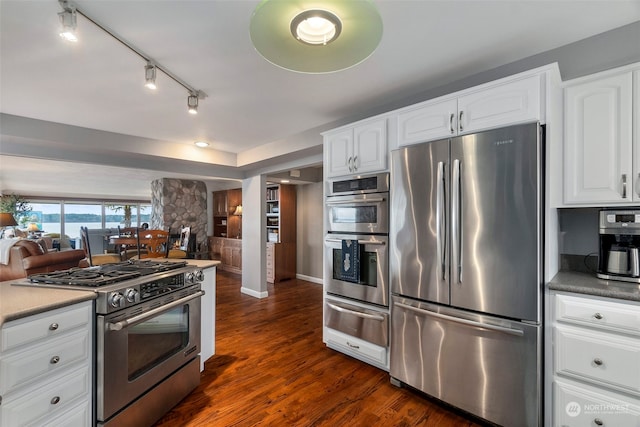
{"points": [[253, 293], [311, 279]]}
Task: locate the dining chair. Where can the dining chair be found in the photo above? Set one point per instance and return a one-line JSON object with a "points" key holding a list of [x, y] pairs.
{"points": [[95, 259], [181, 248], [129, 250], [154, 243]]}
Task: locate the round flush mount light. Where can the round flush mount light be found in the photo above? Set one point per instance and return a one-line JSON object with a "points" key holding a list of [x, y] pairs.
{"points": [[315, 36], [201, 144], [316, 27]]}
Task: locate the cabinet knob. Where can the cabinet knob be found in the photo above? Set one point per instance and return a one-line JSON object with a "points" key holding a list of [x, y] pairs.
{"points": [[598, 316], [598, 422], [55, 400], [53, 326], [598, 362], [54, 360]]}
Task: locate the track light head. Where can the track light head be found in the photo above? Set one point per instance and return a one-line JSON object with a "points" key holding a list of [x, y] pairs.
{"points": [[68, 23], [150, 76], [192, 103]]}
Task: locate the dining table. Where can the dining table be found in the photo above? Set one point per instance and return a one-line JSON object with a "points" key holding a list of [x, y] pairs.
{"points": [[150, 241]]}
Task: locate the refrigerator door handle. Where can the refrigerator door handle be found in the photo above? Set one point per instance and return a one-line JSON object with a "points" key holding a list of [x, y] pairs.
{"points": [[456, 232], [472, 323], [440, 219]]}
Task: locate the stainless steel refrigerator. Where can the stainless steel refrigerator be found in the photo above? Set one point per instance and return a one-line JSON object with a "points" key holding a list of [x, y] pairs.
{"points": [[466, 272]]}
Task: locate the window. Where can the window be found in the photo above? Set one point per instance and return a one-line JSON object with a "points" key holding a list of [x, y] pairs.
{"points": [[78, 215]]}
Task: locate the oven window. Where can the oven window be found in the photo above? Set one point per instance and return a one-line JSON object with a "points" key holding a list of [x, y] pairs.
{"points": [[157, 339], [368, 267], [354, 215]]}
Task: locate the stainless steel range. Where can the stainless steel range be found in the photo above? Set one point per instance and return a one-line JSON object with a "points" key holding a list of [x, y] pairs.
{"points": [[147, 335]]}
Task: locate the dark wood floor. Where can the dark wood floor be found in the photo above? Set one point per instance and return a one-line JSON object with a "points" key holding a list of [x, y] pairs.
{"points": [[271, 368]]}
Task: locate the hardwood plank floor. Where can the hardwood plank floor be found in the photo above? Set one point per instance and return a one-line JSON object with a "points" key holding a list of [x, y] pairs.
{"points": [[271, 368]]}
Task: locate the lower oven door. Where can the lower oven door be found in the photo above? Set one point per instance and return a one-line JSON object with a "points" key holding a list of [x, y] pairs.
{"points": [[139, 347], [371, 284]]}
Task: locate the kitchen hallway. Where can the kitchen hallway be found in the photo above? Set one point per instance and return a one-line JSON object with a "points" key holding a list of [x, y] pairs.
{"points": [[271, 368]]}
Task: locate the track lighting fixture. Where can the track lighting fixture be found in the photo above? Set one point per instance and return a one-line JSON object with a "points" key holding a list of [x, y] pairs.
{"points": [[150, 76], [69, 23], [192, 103]]}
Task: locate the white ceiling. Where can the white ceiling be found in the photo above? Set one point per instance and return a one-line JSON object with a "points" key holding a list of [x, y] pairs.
{"points": [[254, 110]]}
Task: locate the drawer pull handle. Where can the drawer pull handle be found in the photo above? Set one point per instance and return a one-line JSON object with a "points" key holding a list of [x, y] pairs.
{"points": [[55, 400], [598, 316], [598, 362], [53, 326], [598, 422], [353, 346], [54, 360]]}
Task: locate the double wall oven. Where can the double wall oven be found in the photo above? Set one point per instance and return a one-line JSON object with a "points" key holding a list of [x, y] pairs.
{"points": [[147, 335], [356, 267]]}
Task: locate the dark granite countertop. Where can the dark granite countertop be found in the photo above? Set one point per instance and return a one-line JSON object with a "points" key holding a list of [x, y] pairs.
{"points": [[589, 284]]}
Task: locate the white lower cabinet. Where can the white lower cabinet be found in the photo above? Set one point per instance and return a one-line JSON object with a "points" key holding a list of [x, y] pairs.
{"points": [[46, 368], [596, 361], [208, 316]]}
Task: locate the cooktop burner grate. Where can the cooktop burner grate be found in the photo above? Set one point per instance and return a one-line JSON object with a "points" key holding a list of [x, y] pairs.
{"points": [[105, 274]]}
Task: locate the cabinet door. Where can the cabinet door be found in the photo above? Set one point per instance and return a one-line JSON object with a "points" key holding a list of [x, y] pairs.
{"points": [[598, 147], [339, 148], [429, 121], [507, 104], [220, 203], [636, 136], [370, 147], [227, 255]]}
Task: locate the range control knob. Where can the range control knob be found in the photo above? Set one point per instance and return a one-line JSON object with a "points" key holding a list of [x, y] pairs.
{"points": [[116, 300], [132, 295], [199, 275], [189, 277]]}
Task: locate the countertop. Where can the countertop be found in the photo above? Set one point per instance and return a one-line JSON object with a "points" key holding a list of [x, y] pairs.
{"points": [[22, 301], [589, 284]]}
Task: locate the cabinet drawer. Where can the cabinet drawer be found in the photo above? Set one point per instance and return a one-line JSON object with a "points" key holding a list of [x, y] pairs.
{"points": [[47, 401], [364, 349], [31, 363], [581, 405], [598, 357], [39, 326], [76, 416], [616, 316]]}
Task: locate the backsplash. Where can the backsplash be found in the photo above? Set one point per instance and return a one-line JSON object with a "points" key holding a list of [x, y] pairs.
{"points": [[178, 202]]}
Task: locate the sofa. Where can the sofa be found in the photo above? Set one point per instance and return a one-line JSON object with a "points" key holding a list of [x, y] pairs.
{"points": [[27, 257]]}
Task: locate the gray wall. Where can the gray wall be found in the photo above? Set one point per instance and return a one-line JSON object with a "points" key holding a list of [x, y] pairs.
{"points": [[310, 241]]}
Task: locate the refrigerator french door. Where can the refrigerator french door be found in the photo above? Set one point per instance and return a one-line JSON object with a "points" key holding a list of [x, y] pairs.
{"points": [[466, 271]]}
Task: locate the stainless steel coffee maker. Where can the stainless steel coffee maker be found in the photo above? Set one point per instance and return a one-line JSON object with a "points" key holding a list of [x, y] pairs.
{"points": [[619, 243]]}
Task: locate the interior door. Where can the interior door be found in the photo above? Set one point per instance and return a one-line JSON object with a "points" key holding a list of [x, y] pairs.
{"points": [[496, 222], [418, 229]]}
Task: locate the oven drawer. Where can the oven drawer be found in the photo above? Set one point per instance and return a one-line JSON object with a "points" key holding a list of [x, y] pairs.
{"points": [[32, 363], [368, 325], [37, 404], [358, 348], [39, 326]]}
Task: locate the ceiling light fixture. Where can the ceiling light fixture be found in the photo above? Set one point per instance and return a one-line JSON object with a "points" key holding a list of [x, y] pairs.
{"points": [[315, 36], [68, 16], [316, 27], [150, 76], [192, 103], [68, 22], [202, 144]]}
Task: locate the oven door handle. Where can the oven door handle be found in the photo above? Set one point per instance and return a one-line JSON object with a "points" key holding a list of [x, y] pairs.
{"points": [[356, 313], [356, 201], [135, 319], [360, 242]]}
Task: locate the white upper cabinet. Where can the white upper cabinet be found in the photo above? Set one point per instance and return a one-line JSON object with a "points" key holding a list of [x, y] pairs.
{"points": [[599, 151], [359, 148], [495, 105]]}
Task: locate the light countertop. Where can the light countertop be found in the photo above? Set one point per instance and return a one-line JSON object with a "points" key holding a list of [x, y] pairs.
{"points": [[203, 263], [589, 284], [22, 301]]}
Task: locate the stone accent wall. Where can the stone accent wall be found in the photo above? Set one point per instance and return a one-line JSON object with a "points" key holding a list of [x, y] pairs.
{"points": [[179, 202]]}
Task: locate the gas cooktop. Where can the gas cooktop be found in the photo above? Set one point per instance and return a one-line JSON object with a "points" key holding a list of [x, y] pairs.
{"points": [[107, 274]]}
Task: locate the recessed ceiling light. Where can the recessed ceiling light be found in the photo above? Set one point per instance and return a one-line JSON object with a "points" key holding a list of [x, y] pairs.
{"points": [[316, 27], [284, 181], [202, 144]]}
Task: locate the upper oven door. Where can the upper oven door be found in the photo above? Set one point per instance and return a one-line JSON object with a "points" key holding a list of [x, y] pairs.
{"points": [[140, 346], [370, 284], [358, 213]]}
